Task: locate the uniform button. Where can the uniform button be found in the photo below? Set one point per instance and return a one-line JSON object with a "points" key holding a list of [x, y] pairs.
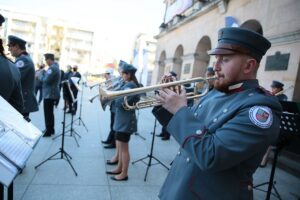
{"points": [[195, 114], [250, 94], [198, 132], [215, 119], [225, 110], [187, 160], [200, 106], [178, 153]]}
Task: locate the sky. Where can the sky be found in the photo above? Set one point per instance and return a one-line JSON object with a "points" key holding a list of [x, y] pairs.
{"points": [[116, 22]]}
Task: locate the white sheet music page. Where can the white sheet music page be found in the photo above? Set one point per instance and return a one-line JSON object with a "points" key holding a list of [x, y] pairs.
{"points": [[18, 138]]}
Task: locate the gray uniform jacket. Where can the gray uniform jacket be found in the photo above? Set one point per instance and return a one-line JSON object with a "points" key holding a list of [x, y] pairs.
{"points": [[10, 84], [51, 80], [125, 120], [26, 67], [223, 139]]}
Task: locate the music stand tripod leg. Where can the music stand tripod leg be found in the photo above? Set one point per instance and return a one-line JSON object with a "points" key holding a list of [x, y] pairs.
{"points": [[63, 154], [150, 156]]}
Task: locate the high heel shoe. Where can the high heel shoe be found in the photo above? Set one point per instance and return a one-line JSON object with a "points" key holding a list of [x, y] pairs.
{"points": [[111, 163], [121, 179], [112, 173]]}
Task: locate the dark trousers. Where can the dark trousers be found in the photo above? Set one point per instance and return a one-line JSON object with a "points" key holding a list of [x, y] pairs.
{"points": [[49, 113], [165, 132], [111, 135]]}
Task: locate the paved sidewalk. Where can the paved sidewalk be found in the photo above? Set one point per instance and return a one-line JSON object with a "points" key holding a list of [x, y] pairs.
{"points": [[55, 179]]}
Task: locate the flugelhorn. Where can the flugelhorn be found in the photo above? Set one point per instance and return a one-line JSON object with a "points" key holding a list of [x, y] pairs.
{"points": [[107, 96]]}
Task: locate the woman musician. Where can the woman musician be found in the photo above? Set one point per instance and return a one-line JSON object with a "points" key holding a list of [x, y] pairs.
{"points": [[125, 124]]}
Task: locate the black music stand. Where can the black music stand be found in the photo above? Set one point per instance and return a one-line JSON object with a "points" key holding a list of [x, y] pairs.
{"points": [[79, 119], [150, 156], [73, 133], [137, 133], [289, 128], [63, 154]]}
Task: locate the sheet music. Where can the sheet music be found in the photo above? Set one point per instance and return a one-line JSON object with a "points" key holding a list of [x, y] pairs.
{"points": [[18, 138]]}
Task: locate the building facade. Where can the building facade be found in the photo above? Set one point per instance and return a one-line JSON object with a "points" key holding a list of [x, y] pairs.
{"points": [[71, 44], [143, 57], [190, 29]]}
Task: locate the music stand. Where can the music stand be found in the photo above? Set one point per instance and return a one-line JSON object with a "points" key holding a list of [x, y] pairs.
{"points": [[63, 154], [137, 133], [73, 101], [150, 155], [289, 127], [79, 119]]}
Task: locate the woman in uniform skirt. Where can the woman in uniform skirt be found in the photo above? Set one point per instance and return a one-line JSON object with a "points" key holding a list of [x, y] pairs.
{"points": [[125, 124]]}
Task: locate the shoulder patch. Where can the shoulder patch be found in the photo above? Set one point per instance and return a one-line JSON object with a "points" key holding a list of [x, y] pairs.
{"points": [[49, 71], [20, 64], [261, 116]]}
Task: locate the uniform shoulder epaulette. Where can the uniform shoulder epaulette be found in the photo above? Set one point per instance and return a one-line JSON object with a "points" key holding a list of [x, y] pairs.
{"points": [[265, 91]]}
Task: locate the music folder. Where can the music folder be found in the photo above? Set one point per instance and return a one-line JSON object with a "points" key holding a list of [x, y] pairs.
{"points": [[18, 138]]}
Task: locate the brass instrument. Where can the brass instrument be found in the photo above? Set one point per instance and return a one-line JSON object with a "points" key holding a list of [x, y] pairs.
{"points": [[107, 96], [107, 84]]}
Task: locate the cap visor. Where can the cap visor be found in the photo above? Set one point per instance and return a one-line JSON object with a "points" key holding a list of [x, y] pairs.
{"points": [[218, 51]]}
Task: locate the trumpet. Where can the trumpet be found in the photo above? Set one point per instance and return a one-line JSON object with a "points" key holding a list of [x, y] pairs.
{"points": [[106, 97], [107, 84]]}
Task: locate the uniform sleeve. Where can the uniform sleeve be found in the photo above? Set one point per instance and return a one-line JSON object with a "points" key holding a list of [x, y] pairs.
{"points": [[24, 68], [50, 75], [236, 140]]}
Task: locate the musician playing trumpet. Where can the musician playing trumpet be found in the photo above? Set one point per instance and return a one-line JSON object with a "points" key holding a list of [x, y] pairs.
{"points": [[223, 137], [110, 141], [124, 125]]}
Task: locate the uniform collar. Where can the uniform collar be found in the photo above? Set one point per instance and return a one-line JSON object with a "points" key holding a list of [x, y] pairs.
{"points": [[243, 85]]}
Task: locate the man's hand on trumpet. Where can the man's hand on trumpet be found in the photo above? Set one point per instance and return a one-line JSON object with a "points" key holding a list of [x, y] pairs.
{"points": [[171, 100]]}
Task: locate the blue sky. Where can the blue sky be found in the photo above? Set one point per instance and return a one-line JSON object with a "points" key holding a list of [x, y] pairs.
{"points": [[116, 22]]}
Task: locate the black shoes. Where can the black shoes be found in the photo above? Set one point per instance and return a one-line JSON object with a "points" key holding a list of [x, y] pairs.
{"points": [[122, 179], [110, 146], [166, 137], [48, 133], [111, 163], [105, 142], [112, 173], [160, 135]]}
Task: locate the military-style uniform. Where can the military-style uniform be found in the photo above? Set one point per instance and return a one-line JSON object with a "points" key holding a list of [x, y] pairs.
{"points": [[10, 84], [26, 67], [223, 138], [125, 120], [51, 94]]}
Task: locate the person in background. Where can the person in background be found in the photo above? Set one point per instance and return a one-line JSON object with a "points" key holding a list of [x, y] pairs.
{"points": [[74, 88], [39, 73], [110, 141], [165, 135], [210, 73], [10, 79], [125, 124], [224, 136], [66, 93], [51, 80], [17, 48], [277, 90]]}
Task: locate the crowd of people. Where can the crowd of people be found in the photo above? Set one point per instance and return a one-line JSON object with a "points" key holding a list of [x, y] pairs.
{"points": [[223, 136]]}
